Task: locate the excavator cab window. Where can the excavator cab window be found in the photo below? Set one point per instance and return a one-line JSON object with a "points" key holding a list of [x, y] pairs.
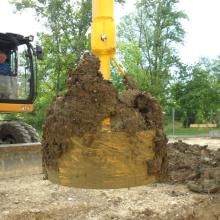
{"points": [[13, 62], [19, 86]]}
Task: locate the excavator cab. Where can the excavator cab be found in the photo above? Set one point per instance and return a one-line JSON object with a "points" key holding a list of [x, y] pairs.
{"points": [[18, 85]]}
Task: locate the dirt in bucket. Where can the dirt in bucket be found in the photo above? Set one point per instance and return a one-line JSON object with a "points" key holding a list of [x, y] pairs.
{"points": [[89, 100]]}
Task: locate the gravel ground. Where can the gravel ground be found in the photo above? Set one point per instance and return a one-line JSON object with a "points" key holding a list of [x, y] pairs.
{"points": [[31, 198]]}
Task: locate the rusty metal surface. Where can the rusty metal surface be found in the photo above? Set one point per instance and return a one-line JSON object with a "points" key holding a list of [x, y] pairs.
{"points": [[20, 160], [113, 160]]}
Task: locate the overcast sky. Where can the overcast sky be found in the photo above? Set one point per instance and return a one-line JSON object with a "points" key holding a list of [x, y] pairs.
{"points": [[203, 31]]}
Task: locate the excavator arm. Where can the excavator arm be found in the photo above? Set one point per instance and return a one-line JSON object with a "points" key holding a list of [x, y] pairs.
{"points": [[103, 39]]}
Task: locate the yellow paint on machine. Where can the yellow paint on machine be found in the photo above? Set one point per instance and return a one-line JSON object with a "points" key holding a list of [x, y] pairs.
{"points": [[103, 37], [8, 107], [112, 160]]}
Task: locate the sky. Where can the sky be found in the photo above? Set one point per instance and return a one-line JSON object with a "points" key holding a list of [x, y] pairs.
{"points": [[202, 28]]}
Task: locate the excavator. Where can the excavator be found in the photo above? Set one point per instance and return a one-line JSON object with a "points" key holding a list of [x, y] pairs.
{"points": [[27, 156], [19, 143]]}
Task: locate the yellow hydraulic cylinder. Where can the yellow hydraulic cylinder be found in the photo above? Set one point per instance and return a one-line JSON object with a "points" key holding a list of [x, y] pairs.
{"points": [[103, 37]]}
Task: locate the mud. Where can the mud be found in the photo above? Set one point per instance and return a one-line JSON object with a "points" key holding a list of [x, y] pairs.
{"points": [[89, 100], [195, 165]]}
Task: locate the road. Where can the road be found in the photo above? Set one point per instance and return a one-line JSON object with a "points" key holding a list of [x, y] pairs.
{"points": [[213, 143]]}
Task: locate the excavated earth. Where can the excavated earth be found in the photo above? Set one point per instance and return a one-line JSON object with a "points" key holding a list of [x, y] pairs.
{"points": [[89, 100], [196, 166]]}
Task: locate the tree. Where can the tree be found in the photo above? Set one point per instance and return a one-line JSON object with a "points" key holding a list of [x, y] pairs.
{"points": [[197, 94], [66, 36], [148, 40]]}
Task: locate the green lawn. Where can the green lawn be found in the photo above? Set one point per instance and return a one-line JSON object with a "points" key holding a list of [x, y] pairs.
{"points": [[179, 130]]}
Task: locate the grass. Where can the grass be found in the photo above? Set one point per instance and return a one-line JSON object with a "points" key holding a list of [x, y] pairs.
{"points": [[40, 133], [179, 130]]}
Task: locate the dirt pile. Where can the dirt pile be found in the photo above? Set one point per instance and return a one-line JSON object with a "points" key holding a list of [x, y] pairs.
{"points": [[89, 100], [194, 165]]}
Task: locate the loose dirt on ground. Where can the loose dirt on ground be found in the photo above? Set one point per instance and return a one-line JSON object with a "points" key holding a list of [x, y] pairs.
{"points": [[195, 165], [31, 198]]}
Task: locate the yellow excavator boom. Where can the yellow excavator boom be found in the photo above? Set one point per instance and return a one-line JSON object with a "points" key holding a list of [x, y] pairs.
{"points": [[103, 37]]}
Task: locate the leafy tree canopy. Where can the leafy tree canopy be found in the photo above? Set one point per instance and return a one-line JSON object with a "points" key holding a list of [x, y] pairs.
{"points": [[149, 38]]}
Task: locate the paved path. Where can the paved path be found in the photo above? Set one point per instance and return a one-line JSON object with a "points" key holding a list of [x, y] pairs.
{"points": [[212, 143]]}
